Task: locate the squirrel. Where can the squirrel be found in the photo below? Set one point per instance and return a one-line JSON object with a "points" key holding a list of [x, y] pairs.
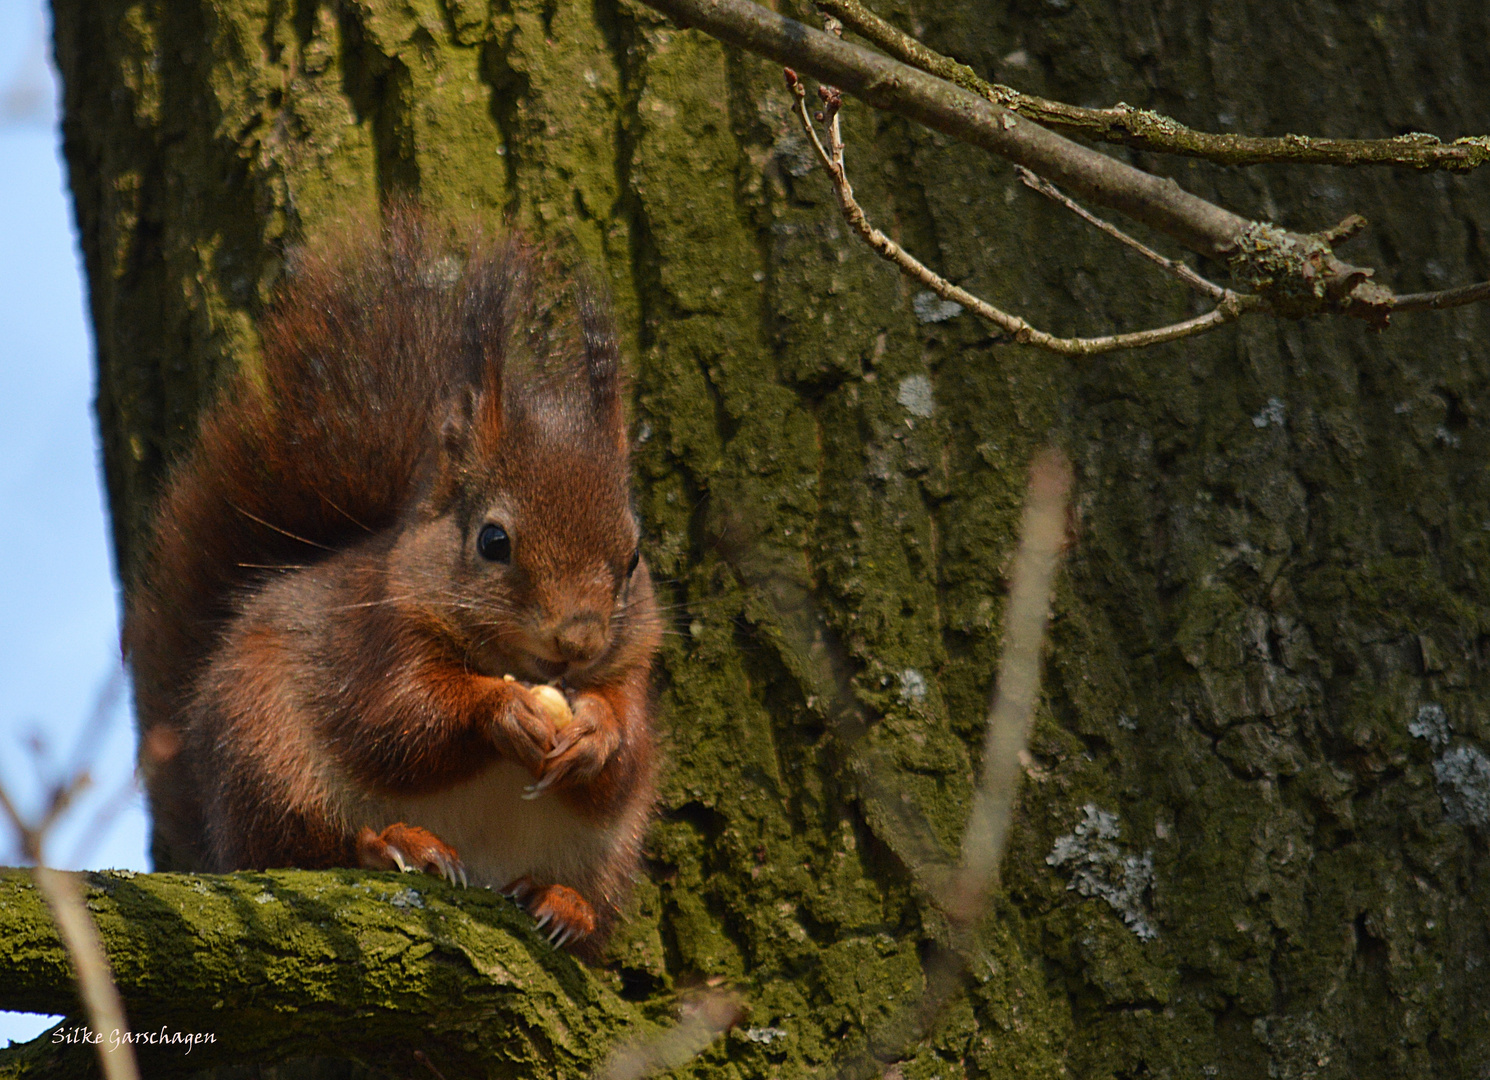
{"points": [[395, 532]]}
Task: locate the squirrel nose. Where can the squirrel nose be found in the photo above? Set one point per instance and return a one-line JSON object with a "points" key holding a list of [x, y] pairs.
{"points": [[581, 638]]}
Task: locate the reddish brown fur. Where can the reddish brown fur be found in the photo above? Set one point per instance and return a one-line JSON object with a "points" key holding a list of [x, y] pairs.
{"points": [[315, 639]]}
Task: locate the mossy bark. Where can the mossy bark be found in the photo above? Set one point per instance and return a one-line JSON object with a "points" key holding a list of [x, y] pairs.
{"points": [[1253, 840], [296, 965]]}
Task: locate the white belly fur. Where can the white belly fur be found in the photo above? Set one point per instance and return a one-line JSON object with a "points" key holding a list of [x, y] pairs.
{"points": [[500, 836]]}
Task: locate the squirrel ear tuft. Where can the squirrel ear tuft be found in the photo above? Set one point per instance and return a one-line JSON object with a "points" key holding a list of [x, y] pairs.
{"points": [[494, 283], [602, 359], [454, 455], [486, 405], [456, 429]]}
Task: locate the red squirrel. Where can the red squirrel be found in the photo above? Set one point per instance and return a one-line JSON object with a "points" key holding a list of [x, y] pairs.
{"points": [[414, 508]]}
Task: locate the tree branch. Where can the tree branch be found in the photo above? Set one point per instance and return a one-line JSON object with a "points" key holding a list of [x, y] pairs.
{"points": [[942, 106], [1446, 298], [95, 982], [1144, 129], [296, 964], [1295, 275], [1231, 307]]}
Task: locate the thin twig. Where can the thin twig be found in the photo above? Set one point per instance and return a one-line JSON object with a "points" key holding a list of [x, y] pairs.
{"points": [[887, 84], [1446, 298], [79, 935], [1297, 275], [702, 1021], [1145, 129], [96, 987], [965, 900], [1172, 266], [1232, 307], [98, 826], [423, 1059], [100, 718], [824, 670], [64, 896], [1042, 535]]}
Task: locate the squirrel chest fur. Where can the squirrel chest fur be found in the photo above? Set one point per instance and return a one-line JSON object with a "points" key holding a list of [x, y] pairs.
{"points": [[415, 511]]}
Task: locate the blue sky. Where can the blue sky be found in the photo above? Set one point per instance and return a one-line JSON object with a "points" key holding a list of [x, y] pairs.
{"points": [[58, 598]]}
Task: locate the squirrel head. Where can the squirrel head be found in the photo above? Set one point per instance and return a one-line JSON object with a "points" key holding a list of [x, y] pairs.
{"points": [[524, 546]]}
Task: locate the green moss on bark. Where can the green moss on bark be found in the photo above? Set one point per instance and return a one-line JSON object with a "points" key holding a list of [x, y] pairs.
{"points": [[291, 965]]}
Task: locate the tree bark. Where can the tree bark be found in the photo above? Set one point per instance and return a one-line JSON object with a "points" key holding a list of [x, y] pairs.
{"points": [[1252, 839]]}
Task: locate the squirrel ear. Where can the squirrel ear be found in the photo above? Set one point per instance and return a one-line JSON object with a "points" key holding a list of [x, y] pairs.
{"points": [[455, 431], [494, 282], [454, 453], [473, 425], [602, 361], [485, 405]]}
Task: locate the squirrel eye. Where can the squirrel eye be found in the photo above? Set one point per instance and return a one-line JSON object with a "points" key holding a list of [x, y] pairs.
{"points": [[493, 544], [636, 558]]}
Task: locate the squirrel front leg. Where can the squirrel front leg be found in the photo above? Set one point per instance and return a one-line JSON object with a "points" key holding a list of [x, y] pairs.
{"points": [[431, 721], [598, 755]]}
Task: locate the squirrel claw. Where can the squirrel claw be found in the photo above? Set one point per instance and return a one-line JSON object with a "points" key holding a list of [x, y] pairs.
{"points": [[518, 890], [409, 849], [567, 915], [532, 791]]}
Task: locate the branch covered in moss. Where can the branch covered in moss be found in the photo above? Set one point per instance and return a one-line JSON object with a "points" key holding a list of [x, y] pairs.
{"points": [[295, 964], [1144, 129]]}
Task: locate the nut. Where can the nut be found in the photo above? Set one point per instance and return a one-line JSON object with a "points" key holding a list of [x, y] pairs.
{"points": [[554, 704]]}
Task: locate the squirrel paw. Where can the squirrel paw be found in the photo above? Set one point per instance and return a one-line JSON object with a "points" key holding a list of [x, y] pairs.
{"points": [[521, 729], [586, 744], [409, 848], [566, 914]]}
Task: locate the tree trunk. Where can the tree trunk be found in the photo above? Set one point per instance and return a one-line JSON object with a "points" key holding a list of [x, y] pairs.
{"points": [[1253, 835]]}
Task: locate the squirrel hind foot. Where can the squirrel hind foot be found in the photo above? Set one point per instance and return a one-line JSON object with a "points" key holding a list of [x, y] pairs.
{"points": [[409, 848], [565, 916]]}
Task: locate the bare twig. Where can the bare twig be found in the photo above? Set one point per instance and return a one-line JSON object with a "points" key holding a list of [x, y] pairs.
{"points": [[895, 87], [423, 1059], [100, 718], [79, 935], [98, 825], [1145, 129], [1232, 306], [702, 1021], [64, 896], [1041, 537], [823, 667], [1172, 266], [965, 899], [1447, 298]]}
